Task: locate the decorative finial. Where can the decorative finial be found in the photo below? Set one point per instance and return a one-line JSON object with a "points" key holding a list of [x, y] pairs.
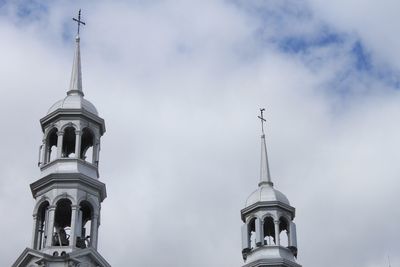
{"points": [[79, 21], [262, 119]]}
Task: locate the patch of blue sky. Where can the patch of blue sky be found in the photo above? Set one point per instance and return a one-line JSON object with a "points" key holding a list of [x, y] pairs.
{"points": [[23, 12], [290, 27], [274, 10], [306, 45], [363, 64], [303, 43], [30, 9], [362, 59]]}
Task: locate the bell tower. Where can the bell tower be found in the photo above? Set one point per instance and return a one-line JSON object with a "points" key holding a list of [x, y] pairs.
{"points": [[268, 232], [68, 193]]}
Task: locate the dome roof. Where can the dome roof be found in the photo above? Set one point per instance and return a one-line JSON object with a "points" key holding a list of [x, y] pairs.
{"points": [[266, 192], [74, 101]]}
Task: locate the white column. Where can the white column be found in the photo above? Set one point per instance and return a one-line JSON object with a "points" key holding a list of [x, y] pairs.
{"points": [[46, 226], [43, 152], [74, 218], [96, 151], [60, 136], [292, 235], [49, 231], [259, 234], [94, 231], [277, 241], [77, 144], [79, 224], [245, 238], [47, 154], [35, 232]]}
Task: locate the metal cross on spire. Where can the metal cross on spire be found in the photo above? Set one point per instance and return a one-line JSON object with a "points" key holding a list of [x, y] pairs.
{"points": [[262, 119], [79, 21]]}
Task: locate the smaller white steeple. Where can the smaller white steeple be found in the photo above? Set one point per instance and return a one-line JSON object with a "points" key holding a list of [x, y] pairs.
{"points": [[268, 232], [265, 176]]}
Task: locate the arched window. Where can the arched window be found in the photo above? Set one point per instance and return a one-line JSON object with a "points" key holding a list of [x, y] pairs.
{"points": [[85, 216], [51, 145], [269, 231], [68, 147], [252, 233], [87, 145], [41, 224], [62, 223], [283, 232]]}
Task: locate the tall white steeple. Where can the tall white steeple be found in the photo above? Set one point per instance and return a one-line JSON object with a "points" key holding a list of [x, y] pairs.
{"points": [[268, 232], [75, 86], [68, 193]]}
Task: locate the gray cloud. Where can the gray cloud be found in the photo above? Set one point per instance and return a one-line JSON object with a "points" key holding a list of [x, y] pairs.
{"points": [[179, 85]]}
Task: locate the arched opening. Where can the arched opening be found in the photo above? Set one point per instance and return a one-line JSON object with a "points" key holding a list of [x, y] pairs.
{"points": [[62, 223], [87, 145], [68, 147], [269, 231], [283, 232], [252, 233], [51, 146], [85, 216], [41, 224]]}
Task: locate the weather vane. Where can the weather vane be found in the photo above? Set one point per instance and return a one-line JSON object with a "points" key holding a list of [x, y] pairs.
{"points": [[262, 119], [79, 21]]}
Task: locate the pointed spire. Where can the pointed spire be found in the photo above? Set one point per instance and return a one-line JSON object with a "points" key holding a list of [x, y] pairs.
{"points": [[265, 176], [75, 86]]}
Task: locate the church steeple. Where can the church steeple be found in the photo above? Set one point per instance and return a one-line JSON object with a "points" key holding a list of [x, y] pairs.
{"points": [[268, 232], [68, 193]]}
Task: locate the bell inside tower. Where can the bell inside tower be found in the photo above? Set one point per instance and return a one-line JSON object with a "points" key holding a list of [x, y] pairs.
{"points": [[86, 214], [68, 146], [252, 233], [283, 232], [41, 220], [269, 231], [51, 145], [86, 152], [62, 223]]}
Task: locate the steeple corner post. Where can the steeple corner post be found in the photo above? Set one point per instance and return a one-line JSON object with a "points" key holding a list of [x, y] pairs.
{"points": [[34, 231], [60, 139], [49, 230], [78, 140], [259, 232], [94, 230], [293, 238], [74, 224]]}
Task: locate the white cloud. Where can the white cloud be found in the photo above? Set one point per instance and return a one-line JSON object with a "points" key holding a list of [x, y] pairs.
{"points": [[179, 85]]}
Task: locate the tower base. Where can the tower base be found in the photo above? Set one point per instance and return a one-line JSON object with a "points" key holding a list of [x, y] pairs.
{"points": [[87, 257]]}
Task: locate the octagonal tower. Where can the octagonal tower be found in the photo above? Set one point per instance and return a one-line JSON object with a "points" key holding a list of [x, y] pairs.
{"points": [[68, 193]]}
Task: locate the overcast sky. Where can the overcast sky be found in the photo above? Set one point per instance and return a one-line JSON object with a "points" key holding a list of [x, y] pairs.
{"points": [[179, 84]]}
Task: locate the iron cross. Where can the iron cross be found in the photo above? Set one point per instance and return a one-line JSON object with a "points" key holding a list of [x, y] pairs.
{"points": [[79, 21], [262, 119]]}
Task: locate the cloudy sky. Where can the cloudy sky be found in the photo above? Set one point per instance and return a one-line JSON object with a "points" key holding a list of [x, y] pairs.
{"points": [[179, 84]]}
